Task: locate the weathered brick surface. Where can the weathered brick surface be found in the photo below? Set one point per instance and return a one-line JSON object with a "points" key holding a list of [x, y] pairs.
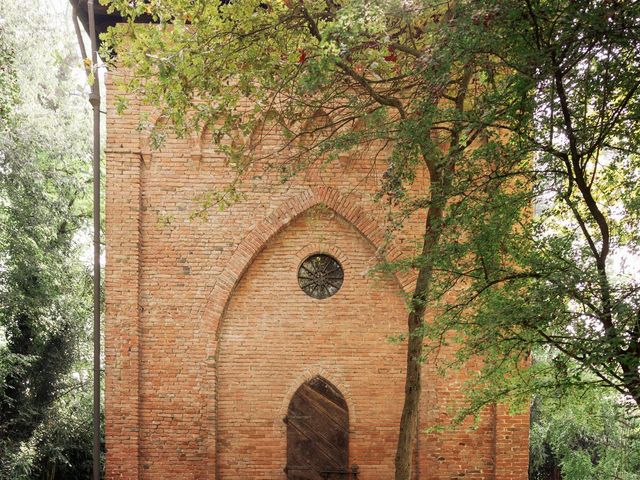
{"points": [[273, 337], [208, 335]]}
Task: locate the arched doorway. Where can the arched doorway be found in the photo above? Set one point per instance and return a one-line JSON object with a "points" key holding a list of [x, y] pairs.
{"points": [[317, 433]]}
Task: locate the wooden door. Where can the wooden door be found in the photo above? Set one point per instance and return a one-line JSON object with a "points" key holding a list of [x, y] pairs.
{"points": [[317, 433]]}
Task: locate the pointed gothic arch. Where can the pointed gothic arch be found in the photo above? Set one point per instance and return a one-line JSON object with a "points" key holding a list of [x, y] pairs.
{"points": [[256, 240], [248, 249]]}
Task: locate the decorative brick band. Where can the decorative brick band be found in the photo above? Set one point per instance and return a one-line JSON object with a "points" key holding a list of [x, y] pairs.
{"points": [[145, 139]]}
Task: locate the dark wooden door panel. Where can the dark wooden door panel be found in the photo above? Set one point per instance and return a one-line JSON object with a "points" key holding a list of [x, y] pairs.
{"points": [[317, 432]]}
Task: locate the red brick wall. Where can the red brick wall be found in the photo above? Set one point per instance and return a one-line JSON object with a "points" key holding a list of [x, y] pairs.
{"points": [[273, 337], [208, 334]]}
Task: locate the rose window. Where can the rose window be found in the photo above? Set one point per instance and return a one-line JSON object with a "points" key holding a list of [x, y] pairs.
{"points": [[320, 276]]}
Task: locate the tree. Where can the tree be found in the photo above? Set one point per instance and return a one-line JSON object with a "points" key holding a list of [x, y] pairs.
{"points": [[456, 88], [43, 212], [583, 434], [370, 63], [567, 279]]}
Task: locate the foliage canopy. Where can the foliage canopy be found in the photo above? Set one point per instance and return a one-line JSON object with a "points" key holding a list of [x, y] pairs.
{"points": [[505, 104], [45, 286]]}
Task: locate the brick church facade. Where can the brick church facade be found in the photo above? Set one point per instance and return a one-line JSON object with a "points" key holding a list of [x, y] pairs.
{"points": [[212, 343]]}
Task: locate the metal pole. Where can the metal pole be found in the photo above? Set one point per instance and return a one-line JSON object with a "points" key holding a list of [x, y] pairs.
{"points": [[76, 27], [95, 103]]}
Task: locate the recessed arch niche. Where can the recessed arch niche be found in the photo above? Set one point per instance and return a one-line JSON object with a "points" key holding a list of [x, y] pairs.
{"points": [[272, 332]]}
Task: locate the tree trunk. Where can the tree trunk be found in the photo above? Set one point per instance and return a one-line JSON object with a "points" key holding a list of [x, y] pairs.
{"points": [[441, 172], [413, 380], [412, 391]]}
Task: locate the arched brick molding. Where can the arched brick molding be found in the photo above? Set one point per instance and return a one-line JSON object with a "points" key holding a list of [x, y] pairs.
{"points": [[250, 246], [313, 125], [308, 374], [291, 209], [155, 119], [199, 140]]}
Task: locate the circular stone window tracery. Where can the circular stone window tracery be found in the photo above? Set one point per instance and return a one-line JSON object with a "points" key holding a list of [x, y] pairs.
{"points": [[320, 276]]}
